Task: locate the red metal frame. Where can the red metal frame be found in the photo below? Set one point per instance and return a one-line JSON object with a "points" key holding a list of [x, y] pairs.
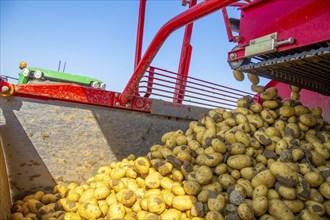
{"points": [[184, 62], [79, 94], [202, 9], [139, 34], [307, 21]]}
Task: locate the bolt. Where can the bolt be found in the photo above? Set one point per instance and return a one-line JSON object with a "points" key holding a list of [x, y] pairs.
{"points": [[232, 55], [252, 41], [117, 94], [128, 105], [139, 103], [272, 36], [117, 104], [5, 89]]}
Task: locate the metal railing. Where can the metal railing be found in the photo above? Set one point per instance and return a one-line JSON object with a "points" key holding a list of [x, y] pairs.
{"points": [[169, 86]]}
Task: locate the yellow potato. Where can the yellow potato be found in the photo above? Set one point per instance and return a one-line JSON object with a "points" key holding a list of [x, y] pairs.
{"points": [[184, 202]]}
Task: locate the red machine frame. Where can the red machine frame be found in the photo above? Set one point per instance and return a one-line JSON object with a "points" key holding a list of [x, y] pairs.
{"points": [[307, 23]]}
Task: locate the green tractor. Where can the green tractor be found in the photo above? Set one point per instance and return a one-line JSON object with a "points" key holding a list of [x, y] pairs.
{"points": [[31, 75]]}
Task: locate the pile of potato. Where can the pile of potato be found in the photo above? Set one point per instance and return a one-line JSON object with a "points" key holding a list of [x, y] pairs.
{"points": [[268, 161]]}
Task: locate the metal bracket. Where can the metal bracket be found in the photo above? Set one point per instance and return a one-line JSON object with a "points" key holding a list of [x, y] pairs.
{"points": [[261, 45]]}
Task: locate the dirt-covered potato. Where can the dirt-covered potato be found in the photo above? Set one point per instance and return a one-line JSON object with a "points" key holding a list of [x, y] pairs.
{"points": [[284, 174], [216, 202], [245, 212], [269, 94]]}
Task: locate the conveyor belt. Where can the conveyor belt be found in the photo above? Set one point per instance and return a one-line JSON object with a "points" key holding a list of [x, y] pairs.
{"points": [[308, 69]]}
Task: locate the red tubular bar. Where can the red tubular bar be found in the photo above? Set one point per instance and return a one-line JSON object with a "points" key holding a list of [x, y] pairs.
{"points": [[200, 10], [139, 35], [184, 62]]}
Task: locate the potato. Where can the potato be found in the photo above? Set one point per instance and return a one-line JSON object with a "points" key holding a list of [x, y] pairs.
{"points": [[142, 165], [260, 205], [116, 184], [226, 180], [230, 137], [254, 79], [258, 89], [197, 210], [177, 189], [218, 146], [245, 212], [171, 214], [184, 202], [285, 192], [213, 159], [306, 215], [270, 104], [327, 207], [212, 215], [203, 195], [249, 173], [241, 137], [156, 204], [314, 179], [284, 174], [167, 196], [279, 210], [192, 187], [71, 216], [236, 149], [204, 175], [216, 202], [262, 138], [153, 180], [264, 178], [68, 205], [295, 96], [128, 197], [239, 161], [315, 207], [293, 130], [269, 94], [316, 196], [307, 119], [239, 76], [33, 205], [324, 189], [48, 198], [116, 210], [255, 120]]}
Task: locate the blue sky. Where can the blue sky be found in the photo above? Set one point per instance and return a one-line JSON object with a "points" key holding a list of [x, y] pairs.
{"points": [[97, 39]]}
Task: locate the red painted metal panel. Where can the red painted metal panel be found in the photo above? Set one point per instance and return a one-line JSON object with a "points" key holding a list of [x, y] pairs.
{"points": [[202, 9], [307, 21]]}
